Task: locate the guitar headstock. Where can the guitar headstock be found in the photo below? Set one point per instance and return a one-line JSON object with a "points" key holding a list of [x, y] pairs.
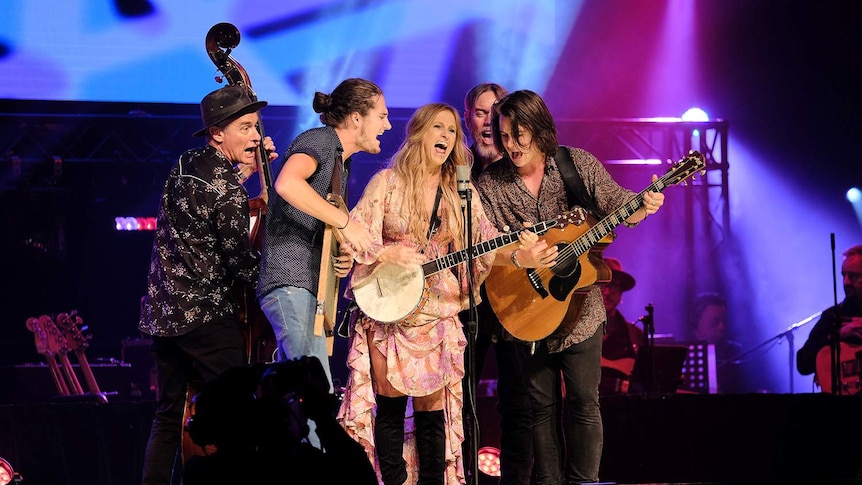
{"points": [[34, 326], [576, 217], [684, 168], [56, 342], [71, 324]]}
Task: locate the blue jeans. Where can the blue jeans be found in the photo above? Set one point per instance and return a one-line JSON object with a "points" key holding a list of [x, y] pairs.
{"points": [[290, 311], [574, 456]]}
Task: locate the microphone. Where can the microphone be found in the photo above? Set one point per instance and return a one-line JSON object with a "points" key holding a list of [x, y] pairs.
{"points": [[462, 173]]}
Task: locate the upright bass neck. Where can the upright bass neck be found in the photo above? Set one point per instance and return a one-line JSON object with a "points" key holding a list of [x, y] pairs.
{"points": [[220, 40]]}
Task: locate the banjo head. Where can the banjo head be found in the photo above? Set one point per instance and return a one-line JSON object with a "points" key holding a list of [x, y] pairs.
{"points": [[390, 293]]}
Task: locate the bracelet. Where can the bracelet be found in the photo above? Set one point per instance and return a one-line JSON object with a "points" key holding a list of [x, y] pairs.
{"points": [[345, 224], [515, 259]]}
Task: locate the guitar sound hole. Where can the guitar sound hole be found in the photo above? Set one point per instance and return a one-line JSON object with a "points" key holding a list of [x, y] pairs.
{"points": [[567, 264]]}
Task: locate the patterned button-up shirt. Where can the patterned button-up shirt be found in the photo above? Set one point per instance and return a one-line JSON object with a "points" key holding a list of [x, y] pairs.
{"points": [[201, 246], [293, 243], [508, 202]]}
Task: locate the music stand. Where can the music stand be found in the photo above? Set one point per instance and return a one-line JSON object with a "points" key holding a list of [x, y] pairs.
{"points": [[661, 376]]}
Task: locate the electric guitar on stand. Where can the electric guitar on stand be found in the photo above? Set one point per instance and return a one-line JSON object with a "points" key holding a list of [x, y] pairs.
{"points": [[59, 347], [71, 324], [45, 350]]}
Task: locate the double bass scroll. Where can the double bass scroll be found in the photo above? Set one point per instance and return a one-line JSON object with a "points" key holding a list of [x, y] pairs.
{"points": [[226, 36]]}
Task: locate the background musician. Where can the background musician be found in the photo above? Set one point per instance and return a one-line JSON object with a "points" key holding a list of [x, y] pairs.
{"points": [[513, 401], [201, 247], [848, 313], [622, 338]]}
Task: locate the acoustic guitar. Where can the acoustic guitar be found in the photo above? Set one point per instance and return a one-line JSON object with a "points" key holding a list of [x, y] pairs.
{"points": [[850, 365], [328, 281], [616, 375], [392, 293], [531, 304]]}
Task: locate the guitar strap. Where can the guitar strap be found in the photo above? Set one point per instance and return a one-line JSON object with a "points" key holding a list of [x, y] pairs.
{"points": [[435, 217], [576, 191], [336, 176]]}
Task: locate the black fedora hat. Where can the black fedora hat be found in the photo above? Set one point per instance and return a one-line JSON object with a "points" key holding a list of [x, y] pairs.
{"points": [[618, 276], [225, 104]]}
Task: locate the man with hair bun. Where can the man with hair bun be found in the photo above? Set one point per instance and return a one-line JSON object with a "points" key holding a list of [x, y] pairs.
{"points": [[354, 115]]}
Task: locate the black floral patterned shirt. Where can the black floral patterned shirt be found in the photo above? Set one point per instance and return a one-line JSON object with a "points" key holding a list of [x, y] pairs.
{"points": [[201, 246]]}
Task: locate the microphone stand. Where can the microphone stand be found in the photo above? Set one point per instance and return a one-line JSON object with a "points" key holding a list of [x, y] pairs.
{"points": [[649, 331], [471, 325], [787, 334]]}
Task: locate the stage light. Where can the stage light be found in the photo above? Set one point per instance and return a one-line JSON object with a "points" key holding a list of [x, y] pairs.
{"points": [[7, 473], [695, 114], [489, 461], [854, 196], [135, 223]]}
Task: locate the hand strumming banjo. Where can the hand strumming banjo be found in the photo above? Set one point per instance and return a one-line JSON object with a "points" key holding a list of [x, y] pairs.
{"points": [[393, 293]]}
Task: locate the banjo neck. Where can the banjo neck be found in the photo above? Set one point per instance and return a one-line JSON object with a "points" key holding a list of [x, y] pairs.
{"points": [[458, 257]]}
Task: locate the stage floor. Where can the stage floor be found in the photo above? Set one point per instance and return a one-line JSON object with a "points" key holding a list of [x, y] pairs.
{"points": [[680, 438]]}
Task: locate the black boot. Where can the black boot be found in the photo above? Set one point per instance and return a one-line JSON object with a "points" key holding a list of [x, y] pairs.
{"points": [[431, 446], [389, 439]]}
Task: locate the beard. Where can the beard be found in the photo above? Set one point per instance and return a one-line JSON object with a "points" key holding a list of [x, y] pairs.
{"points": [[368, 142], [486, 152], [852, 300]]}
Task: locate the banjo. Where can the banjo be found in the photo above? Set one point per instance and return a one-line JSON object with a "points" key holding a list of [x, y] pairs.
{"points": [[393, 293]]}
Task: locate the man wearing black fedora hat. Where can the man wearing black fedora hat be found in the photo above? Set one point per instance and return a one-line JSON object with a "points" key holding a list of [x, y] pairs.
{"points": [[201, 247], [622, 339]]}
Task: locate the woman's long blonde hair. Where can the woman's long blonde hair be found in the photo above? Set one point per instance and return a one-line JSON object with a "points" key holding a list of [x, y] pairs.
{"points": [[410, 169]]}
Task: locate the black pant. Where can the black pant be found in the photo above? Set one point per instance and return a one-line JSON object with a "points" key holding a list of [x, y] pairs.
{"points": [[513, 399], [198, 356]]}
